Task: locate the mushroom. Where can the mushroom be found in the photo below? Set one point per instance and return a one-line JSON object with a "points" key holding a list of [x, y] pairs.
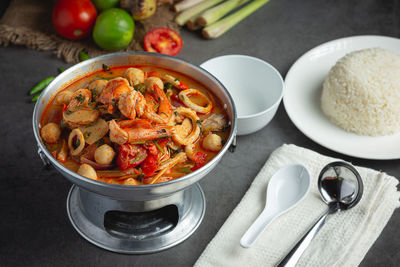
{"points": [[94, 131]]}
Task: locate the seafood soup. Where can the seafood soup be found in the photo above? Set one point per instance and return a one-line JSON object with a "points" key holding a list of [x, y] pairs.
{"points": [[134, 125]]}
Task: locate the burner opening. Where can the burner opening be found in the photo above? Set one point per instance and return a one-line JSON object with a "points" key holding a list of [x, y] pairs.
{"points": [[141, 225]]}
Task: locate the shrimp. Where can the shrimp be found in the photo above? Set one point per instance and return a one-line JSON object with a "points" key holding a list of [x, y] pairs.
{"points": [[134, 76], [79, 112], [112, 92], [130, 131], [156, 93], [132, 104]]}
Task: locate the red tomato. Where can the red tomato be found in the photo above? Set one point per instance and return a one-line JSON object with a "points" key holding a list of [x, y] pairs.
{"points": [[130, 156], [199, 159], [74, 19], [150, 164], [164, 41]]}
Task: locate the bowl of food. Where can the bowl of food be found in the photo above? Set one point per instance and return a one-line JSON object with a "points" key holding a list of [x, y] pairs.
{"points": [[134, 126], [256, 87]]}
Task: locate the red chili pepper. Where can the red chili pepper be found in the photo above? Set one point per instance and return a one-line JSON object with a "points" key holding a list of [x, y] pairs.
{"points": [[183, 86]]}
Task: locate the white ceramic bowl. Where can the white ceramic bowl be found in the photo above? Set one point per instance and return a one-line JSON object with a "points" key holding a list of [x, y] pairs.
{"points": [[256, 88]]}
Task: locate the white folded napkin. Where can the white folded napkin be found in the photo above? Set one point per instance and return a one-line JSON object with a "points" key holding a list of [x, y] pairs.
{"points": [[343, 241]]}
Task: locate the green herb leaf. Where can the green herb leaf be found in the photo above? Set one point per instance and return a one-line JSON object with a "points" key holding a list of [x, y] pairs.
{"points": [[83, 56], [80, 98], [61, 69], [167, 86], [185, 169], [159, 147], [140, 87], [138, 158], [106, 68]]}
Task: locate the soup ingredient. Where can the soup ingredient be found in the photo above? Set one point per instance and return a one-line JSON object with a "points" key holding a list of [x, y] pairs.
{"points": [[76, 142], [163, 40], [175, 82], [185, 97], [130, 131], [104, 154], [213, 14], [114, 29], [79, 111], [83, 56], [105, 4], [361, 93], [185, 4], [181, 135], [63, 154], [96, 87], [63, 97], [135, 76], [74, 19], [87, 171], [212, 142], [130, 155], [131, 103], [95, 131], [112, 92], [158, 108], [200, 160], [220, 27], [51, 133], [141, 9], [41, 85], [195, 10], [214, 123]]}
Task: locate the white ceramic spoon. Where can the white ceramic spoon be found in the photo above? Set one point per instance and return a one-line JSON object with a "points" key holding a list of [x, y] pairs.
{"points": [[287, 187]]}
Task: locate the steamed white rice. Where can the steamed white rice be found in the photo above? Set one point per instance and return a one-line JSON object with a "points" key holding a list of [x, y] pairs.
{"points": [[361, 93]]}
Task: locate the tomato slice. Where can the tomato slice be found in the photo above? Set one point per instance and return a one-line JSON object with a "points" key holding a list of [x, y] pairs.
{"points": [[130, 156], [164, 41], [150, 164], [199, 159]]}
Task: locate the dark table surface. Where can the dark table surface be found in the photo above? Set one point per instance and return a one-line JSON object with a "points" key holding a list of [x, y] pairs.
{"points": [[34, 227]]}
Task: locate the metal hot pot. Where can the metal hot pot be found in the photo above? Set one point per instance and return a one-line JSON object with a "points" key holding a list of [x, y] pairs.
{"points": [[144, 218]]}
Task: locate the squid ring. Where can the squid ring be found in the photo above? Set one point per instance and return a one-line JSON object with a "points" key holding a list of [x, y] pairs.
{"points": [[76, 146], [195, 132], [184, 96]]}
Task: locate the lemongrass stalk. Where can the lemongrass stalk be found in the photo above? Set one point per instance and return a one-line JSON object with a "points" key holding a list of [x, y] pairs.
{"points": [[185, 4], [213, 14], [193, 11], [192, 24], [220, 27]]}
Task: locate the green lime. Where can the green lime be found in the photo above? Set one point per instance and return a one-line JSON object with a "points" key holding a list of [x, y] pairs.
{"points": [[114, 29], [105, 4]]}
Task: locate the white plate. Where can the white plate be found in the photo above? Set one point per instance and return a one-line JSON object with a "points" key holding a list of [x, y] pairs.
{"points": [[303, 85]]}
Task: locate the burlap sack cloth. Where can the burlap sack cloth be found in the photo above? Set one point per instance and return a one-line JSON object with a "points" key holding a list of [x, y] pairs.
{"points": [[29, 23]]}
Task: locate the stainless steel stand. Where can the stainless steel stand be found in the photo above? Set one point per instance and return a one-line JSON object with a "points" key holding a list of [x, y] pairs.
{"points": [[136, 227]]}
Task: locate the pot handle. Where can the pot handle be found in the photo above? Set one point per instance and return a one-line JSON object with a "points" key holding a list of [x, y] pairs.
{"points": [[42, 156], [232, 148]]}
